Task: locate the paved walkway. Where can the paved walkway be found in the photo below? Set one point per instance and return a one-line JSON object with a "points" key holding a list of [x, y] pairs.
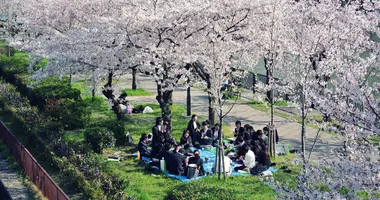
{"points": [[11, 181], [289, 132]]}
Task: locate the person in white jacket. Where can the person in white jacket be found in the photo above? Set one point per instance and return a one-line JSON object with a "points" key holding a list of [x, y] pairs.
{"points": [[248, 159]]}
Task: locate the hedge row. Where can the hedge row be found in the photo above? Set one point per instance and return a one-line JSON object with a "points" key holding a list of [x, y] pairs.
{"points": [[52, 95], [78, 173]]}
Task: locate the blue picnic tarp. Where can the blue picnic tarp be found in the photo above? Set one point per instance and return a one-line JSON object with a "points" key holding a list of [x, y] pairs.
{"points": [[207, 166]]}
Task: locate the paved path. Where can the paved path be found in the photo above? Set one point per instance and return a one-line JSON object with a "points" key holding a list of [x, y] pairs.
{"points": [[11, 181], [289, 132]]}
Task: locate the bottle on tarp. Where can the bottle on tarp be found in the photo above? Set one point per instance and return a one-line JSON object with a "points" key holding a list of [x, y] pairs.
{"points": [[162, 165], [138, 156]]}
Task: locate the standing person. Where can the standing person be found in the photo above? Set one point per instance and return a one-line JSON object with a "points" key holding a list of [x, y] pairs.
{"points": [[186, 140], [238, 130], [167, 129], [248, 160], [199, 162], [193, 127], [143, 146], [177, 162], [158, 140]]}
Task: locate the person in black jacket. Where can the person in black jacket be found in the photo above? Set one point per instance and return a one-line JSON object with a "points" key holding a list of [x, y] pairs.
{"points": [[199, 162], [205, 136], [193, 127], [167, 129], [158, 140], [177, 162], [263, 163], [215, 133], [186, 140], [143, 146], [238, 130]]}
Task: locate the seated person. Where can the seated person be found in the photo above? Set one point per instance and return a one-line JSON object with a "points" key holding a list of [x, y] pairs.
{"points": [[247, 137], [186, 140], [239, 141], [199, 162], [248, 160], [205, 135], [238, 130], [263, 163], [227, 166], [215, 132], [177, 162], [166, 154], [263, 140], [143, 146]]}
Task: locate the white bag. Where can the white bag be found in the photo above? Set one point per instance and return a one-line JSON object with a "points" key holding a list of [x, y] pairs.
{"points": [[148, 110]]}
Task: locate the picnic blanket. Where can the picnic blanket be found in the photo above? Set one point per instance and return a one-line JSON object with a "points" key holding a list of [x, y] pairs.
{"points": [[210, 153]]}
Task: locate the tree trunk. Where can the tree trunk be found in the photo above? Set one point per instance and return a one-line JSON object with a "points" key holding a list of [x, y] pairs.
{"points": [[93, 94], [188, 101], [165, 99], [211, 103], [108, 92], [303, 131], [134, 84], [267, 81], [254, 83]]}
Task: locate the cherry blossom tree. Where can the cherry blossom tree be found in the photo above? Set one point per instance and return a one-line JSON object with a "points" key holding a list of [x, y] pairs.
{"points": [[320, 37]]}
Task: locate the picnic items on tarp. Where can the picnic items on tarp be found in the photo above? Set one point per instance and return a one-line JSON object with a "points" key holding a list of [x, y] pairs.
{"points": [[147, 110], [191, 171], [208, 166]]}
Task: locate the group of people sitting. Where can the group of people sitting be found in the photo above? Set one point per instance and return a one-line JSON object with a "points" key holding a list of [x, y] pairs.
{"points": [[248, 148]]}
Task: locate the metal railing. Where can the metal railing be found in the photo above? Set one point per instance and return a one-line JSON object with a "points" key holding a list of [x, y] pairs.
{"points": [[31, 167]]}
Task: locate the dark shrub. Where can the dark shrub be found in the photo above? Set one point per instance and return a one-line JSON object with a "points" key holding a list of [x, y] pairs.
{"points": [[99, 138], [54, 87], [116, 127], [71, 113]]}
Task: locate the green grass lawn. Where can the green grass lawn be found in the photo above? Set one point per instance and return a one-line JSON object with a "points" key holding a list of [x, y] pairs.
{"points": [[145, 185], [137, 92]]}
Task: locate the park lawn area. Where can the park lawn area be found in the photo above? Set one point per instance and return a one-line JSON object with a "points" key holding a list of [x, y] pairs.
{"points": [[137, 92], [147, 185]]}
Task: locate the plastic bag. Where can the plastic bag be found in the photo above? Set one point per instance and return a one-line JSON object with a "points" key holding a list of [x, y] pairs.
{"points": [[148, 110]]}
